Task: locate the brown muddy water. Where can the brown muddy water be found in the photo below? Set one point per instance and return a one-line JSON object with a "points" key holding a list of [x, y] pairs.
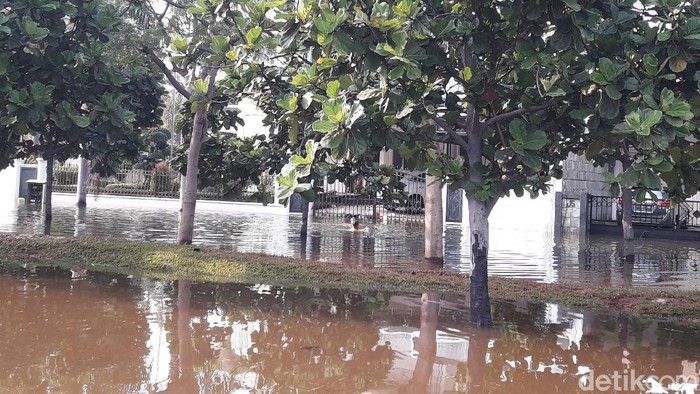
{"points": [[84, 332]]}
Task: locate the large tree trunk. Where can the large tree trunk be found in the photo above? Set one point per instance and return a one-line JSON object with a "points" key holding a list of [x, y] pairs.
{"points": [[479, 281], [433, 220], [188, 200], [476, 361]]}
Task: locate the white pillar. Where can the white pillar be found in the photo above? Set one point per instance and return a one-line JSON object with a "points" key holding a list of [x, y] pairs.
{"points": [[81, 189], [433, 219], [17, 175], [386, 157], [41, 169]]}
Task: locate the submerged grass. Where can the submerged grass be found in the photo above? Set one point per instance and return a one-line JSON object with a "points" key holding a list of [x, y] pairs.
{"points": [[188, 262]]}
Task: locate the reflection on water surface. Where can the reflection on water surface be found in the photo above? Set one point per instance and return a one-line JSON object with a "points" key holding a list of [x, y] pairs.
{"points": [[76, 332]]}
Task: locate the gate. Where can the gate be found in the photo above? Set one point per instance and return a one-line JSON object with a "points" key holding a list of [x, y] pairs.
{"points": [[25, 174], [650, 212], [345, 200]]}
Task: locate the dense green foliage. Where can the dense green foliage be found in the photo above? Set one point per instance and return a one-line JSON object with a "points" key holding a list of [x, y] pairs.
{"points": [[59, 84]]}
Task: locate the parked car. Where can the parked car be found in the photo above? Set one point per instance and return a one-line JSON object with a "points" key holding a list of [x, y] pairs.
{"points": [[655, 210]]}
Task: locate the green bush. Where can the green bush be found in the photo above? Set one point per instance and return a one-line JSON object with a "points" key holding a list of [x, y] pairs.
{"points": [[123, 186]]}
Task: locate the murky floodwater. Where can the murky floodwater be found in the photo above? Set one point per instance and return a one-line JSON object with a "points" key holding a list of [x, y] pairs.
{"points": [[98, 333], [522, 243]]}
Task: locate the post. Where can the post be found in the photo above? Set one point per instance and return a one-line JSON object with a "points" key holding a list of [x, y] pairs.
{"points": [[81, 189], [584, 219], [558, 206], [433, 220], [40, 169]]}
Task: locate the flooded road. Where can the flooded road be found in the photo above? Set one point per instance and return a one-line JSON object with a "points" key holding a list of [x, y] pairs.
{"points": [[95, 333], [522, 248]]}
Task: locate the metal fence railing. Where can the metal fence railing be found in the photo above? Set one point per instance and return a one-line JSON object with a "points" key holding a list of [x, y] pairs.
{"points": [[161, 182], [652, 213], [344, 200]]}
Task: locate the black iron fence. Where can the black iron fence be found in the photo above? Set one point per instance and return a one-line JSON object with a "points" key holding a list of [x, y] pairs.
{"points": [[652, 213], [346, 200], [161, 182]]}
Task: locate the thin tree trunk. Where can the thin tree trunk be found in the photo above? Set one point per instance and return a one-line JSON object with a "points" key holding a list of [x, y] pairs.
{"points": [[426, 344], [48, 156], [188, 200], [627, 227], [81, 192], [304, 219], [479, 280], [433, 220]]}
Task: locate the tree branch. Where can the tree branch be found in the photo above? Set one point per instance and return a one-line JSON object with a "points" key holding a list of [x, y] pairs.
{"points": [[168, 73], [456, 138], [176, 5], [515, 113]]}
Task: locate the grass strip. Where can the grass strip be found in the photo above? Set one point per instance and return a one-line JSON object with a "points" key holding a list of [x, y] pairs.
{"points": [[167, 261]]}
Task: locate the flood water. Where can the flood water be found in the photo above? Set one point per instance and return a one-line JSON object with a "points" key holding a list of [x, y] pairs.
{"points": [[522, 241], [85, 332]]}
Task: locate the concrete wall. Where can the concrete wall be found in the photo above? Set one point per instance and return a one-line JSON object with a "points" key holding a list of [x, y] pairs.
{"points": [[581, 176]]}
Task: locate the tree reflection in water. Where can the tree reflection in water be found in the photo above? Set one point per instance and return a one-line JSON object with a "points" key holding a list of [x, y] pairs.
{"points": [[105, 333]]}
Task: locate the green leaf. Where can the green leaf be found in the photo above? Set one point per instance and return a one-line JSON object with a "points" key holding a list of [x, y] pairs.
{"points": [[613, 92], [333, 109], [535, 140], [405, 111], [399, 38], [573, 5], [580, 114], [253, 34], [80, 121], [357, 143], [289, 102], [599, 78], [200, 87], [324, 126], [369, 93], [680, 110], [333, 89], [607, 68], [663, 36], [466, 74], [179, 44], [677, 64], [608, 108], [651, 64], [219, 44], [650, 117]]}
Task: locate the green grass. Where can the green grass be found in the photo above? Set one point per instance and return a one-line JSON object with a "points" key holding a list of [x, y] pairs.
{"points": [[187, 262]]}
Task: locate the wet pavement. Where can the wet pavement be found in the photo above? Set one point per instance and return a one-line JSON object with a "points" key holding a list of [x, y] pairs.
{"points": [[74, 332], [522, 243]]}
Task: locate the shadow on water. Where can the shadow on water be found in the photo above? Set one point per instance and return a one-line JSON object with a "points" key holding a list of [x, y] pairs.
{"points": [[519, 253], [64, 331]]}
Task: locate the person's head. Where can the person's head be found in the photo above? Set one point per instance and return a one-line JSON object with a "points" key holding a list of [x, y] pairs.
{"points": [[355, 224]]}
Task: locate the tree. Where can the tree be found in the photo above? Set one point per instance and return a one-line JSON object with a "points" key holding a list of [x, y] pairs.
{"points": [[637, 102], [59, 84], [492, 78], [219, 31]]}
